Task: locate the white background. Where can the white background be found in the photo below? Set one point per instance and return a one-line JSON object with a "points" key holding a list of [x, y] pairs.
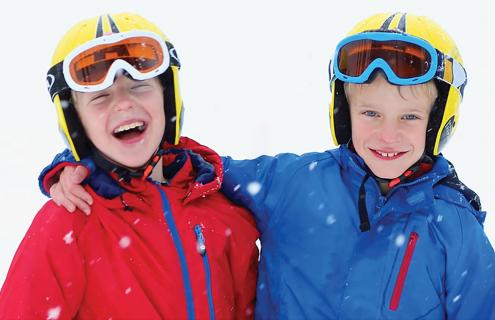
{"points": [[254, 81]]}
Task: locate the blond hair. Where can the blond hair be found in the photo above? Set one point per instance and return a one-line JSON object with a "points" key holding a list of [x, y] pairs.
{"points": [[428, 89]]}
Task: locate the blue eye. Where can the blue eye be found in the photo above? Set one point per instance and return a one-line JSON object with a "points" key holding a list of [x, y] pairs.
{"points": [[370, 113]]}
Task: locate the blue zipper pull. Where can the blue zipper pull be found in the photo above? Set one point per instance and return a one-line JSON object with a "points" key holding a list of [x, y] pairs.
{"points": [[200, 244]]}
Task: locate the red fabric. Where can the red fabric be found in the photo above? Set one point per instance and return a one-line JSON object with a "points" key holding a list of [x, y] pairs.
{"points": [[123, 264], [52, 176]]}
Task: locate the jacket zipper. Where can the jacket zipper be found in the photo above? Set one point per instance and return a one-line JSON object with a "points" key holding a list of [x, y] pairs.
{"points": [[404, 267], [167, 212], [201, 247]]}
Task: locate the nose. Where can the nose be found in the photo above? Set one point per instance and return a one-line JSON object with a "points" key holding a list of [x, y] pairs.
{"points": [[122, 100], [390, 131]]}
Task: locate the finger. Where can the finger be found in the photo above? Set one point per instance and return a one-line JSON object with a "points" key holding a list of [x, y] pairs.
{"points": [[58, 195], [78, 203], [79, 174], [68, 205], [79, 192]]}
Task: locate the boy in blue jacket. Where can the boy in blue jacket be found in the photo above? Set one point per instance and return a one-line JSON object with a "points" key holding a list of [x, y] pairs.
{"points": [[380, 228]]}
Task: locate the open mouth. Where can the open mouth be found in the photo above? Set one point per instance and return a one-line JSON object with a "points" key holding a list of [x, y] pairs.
{"points": [[387, 155], [129, 131]]}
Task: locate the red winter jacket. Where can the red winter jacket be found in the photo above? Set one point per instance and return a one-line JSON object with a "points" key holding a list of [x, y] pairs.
{"points": [[177, 251]]}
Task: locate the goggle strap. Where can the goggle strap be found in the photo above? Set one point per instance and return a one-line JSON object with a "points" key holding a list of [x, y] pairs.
{"points": [[451, 71], [55, 80], [174, 59]]}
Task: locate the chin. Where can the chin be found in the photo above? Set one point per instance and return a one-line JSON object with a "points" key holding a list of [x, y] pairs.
{"points": [[387, 174]]}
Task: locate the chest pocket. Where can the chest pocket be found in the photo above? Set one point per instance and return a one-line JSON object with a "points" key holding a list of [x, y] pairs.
{"points": [[404, 268], [411, 291]]}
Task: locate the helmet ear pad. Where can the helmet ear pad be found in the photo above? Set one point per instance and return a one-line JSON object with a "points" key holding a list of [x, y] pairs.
{"points": [[170, 107], [78, 136], [341, 114], [435, 118]]}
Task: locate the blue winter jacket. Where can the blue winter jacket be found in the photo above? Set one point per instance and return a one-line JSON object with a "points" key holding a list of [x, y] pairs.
{"points": [[425, 255]]}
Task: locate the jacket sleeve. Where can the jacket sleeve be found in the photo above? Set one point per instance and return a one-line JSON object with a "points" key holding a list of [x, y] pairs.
{"points": [[258, 184], [244, 263], [49, 175], [46, 277], [470, 284]]}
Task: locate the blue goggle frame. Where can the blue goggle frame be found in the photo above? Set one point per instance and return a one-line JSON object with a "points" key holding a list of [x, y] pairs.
{"points": [[436, 63]]}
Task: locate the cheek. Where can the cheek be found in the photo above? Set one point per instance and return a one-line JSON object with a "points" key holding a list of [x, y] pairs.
{"points": [[94, 124], [360, 130]]}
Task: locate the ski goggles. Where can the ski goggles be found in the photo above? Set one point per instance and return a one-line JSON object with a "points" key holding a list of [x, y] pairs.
{"points": [[405, 60], [94, 65]]}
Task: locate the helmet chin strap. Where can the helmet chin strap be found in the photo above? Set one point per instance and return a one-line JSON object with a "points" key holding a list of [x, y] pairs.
{"points": [[124, 173], [422, 165]]}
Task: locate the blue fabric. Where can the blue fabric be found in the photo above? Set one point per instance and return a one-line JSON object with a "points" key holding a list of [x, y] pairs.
{"points": [[205, 171], [107, 187], [101, 182], [316, 263]]}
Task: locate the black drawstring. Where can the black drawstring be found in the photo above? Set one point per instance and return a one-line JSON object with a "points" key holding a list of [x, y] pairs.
{"points": [[364, 221]]}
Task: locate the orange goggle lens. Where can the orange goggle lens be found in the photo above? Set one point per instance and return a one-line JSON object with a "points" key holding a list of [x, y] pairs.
{"points": [[407, 60], [91, 66]]}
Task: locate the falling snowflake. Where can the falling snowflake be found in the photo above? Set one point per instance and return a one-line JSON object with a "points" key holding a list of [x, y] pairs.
{"points": [[249, 311], [399, 241], [137, 221], [53, 313], [456, 298], [237, 187], [464, 273], [331, 219], [64, 103], [128, 290], [321, 206], [312, 165], [253, 188], [228, 232], [125, 242], [439, 218], [68, 237], [380, 228]]}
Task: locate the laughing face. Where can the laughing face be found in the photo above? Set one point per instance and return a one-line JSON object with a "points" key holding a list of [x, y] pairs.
{"points": [[389, 124], [125, 121]]}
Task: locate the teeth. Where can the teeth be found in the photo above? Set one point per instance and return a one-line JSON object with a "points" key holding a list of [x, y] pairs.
{"points": [[388, 155], [129, 126]]}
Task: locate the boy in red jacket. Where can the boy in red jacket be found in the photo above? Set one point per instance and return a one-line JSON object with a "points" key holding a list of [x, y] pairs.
{"points": [[164, 243]]}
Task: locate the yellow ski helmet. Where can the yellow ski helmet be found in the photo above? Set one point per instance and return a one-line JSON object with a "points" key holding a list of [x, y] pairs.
{"points": [[376, 43], [88, 57]]}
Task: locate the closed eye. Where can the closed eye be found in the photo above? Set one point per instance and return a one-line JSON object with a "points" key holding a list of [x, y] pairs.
{"points": [[410, 117], [98, 98]]}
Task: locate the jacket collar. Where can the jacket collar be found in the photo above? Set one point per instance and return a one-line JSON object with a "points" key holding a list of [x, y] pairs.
{"points": [[193, 169], [408, 196], [355, 165]]}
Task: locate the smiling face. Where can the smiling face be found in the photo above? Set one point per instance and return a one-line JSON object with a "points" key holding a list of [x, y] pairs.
{"points": [[126, 121], [389, 124]]}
